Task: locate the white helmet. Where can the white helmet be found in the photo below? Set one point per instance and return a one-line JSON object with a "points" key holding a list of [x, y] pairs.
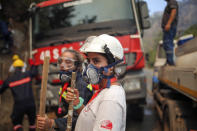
{"points": [[98, 43]]}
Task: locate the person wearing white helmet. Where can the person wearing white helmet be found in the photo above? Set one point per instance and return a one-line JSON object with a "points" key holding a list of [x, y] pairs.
{"points": [[106, 110]]}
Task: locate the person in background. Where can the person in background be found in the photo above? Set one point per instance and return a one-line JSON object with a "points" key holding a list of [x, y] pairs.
{"points": [[14, 58], [107, 108], [69, 61], [20, 84], [6, 33], [169, 27]]}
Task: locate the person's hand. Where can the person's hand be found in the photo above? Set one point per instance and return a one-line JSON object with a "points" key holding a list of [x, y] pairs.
{"points": [[72, 95], [167, 27], [44, 123]]}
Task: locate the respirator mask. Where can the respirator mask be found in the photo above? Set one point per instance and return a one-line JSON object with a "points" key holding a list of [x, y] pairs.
{"points": [[94, 75], [67, 66], [65, 76]]}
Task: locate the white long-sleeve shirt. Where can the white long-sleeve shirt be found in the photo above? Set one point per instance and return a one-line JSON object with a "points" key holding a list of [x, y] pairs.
{"points": [[107, 112]]}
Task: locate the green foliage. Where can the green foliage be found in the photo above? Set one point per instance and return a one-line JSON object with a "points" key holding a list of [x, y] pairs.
{"points": [[158, 37], [151, 57], [16, 9], [152, 53], [191, 30]]}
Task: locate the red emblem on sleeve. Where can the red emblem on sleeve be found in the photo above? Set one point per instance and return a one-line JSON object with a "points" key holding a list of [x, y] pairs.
{"points": [[107, 124]]}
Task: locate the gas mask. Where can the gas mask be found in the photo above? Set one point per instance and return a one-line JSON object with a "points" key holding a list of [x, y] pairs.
{"points": [[67, 66], [65, 76], [94, 75]]}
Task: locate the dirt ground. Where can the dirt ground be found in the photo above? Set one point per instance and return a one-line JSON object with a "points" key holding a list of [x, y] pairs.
{"points": [[6, 99], [6, 110]]}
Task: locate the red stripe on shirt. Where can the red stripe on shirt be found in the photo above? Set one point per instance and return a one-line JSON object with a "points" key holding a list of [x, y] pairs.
{"points": [[20, 82]]}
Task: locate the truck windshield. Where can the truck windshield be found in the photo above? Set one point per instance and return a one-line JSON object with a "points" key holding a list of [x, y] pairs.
{"points": [[76, 20]]}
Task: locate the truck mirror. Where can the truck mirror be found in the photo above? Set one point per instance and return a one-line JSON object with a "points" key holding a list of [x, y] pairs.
{"points": [[145, 24], [144, 15], [143, 9]]}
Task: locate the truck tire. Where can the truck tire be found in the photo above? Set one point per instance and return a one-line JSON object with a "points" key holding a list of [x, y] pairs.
{"points": [[167, 120], [171, 122]]}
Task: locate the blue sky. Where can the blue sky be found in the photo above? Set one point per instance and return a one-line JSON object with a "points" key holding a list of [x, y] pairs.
{"points": [[155, 5]]}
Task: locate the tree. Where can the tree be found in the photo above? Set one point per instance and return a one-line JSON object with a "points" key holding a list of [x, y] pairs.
{"points": [[15, 12], [191, 30]]}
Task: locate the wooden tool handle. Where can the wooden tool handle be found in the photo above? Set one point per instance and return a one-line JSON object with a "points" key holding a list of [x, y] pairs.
{"points": [[70, 108], [44, 86]]}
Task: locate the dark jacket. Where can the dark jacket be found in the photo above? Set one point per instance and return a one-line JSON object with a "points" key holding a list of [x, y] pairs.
{"points": [[85, 93], [20, 84]]}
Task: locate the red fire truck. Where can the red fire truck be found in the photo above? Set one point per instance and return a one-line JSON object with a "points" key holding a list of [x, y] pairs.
{"points": [[56, 25]]}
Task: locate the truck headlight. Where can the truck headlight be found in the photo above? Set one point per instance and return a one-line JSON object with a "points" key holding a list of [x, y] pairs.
{"points": [[132, 85]]}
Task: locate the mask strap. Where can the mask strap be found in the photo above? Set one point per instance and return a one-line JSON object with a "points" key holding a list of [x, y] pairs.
{"points": [[108, 77], [108, 83], [115, 63], [66, 72], [110, 65], [106, 70], [110, 80]]}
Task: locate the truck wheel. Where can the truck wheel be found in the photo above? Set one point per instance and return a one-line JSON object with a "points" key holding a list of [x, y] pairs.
{"points": [[166, 120], [171, 122]]}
